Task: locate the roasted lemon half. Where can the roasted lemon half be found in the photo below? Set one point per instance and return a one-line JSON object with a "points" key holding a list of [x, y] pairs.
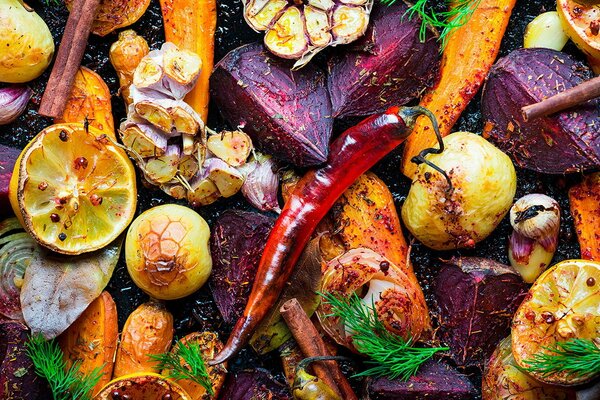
{"points": [[142, 386], [73, 190], [562, 304]]}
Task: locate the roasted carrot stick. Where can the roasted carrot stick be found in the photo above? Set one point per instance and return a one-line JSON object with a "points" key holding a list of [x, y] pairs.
{"points": [[191, 25], [585, 209], [351, 154], [469, 54]]}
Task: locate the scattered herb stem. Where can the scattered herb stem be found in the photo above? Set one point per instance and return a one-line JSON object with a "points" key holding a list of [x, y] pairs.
{"points": [[65, 383], [576, 357], [186, 362], [457, 13], [391, 355]]}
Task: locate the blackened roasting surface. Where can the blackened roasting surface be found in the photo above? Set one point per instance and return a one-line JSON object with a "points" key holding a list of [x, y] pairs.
{"points": [[198, 312]]}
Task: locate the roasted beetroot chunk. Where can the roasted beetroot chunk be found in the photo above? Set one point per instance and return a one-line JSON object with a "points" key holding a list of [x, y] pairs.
{"points": [[254, 384], [435, 380], [477, 298], [568, 141], [391, 66], [8, 157], [237, 242], [286, 113], [18, 380]]}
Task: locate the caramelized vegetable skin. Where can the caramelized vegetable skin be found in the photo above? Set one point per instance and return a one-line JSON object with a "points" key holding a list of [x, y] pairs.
{"points": [[351, 155], [585, 209], [466, 60], [89, 101], [191, 26], [92, 339], [148, 330]]}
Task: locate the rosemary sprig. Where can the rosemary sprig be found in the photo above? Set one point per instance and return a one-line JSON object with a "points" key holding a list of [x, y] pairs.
{"points": [[391, 355], [65, 383], [575, 357], [456, 14], [186, 363]]}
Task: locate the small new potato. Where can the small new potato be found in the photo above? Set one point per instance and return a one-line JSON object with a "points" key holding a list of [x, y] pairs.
{"points": [[484, 185], [167, 251]]}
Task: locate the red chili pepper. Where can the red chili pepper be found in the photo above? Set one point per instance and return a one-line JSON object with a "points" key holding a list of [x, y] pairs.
{"points": [[350, 155]]}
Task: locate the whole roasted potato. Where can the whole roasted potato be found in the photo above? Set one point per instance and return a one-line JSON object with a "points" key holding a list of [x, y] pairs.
{"points": [[484, 183], [167, 251], [26, 43]]}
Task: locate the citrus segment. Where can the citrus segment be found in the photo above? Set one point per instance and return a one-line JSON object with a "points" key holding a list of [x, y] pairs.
{"points": [[142, 386], [75, 190], [563, 304]]}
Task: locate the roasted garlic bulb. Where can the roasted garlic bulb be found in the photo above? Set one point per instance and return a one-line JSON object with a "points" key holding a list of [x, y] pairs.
{"points": [[300, 29]]}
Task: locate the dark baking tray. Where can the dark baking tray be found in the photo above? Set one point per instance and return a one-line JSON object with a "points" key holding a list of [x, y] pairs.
{"points": [[198, 312]]}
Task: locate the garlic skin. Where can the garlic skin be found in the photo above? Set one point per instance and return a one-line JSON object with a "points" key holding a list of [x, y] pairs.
{"points": [[535, 219], [13, 101]]}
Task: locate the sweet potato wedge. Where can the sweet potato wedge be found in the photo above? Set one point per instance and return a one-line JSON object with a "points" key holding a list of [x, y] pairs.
{"points": [[114, 14], [365, 216], [148, 330], [92, 339], [585, 209], [466, 60], [191, 26], [89, 101]]}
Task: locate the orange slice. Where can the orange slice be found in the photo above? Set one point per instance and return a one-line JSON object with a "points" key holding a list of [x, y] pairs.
{"points": [[73, 189]]}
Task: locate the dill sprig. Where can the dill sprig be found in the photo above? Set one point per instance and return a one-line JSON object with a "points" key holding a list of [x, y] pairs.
{"points": [[456, 14], [391, 356], [65, 383], [186, 362], [575, 357]]}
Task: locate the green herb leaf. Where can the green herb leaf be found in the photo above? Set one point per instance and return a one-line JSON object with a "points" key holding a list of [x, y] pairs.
{"points": [[576, 357], [391, 355], [65, 383], [186, 363], [458, 13]]}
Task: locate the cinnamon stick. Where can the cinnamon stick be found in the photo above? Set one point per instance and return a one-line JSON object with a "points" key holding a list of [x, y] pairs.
{"points": [[312, 345], [576, 95], [68, 57]]}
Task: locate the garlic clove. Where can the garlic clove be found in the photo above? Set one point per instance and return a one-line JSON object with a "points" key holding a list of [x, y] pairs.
{"points": [[261, 183], [287, 38], [528, 257], [349, 23], [537, 216], [232, 147], [13, 101]]}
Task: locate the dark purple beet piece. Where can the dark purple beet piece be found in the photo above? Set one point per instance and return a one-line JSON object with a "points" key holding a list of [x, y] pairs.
{"points": [[18, 380], [8, 157], [252, 385], [287, 113], [390, 65], [435, 380], [476, 300], [568, 141], [237, 242]]}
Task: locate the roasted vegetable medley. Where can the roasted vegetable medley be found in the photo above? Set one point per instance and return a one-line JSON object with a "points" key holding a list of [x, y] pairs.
{"points": [[300, 200]]}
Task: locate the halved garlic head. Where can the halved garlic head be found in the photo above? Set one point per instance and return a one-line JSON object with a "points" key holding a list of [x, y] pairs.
{"points": [[383, 287], [301, 28]]}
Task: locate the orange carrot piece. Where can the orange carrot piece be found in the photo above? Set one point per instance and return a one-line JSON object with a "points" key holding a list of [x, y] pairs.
{"points": [[469, 54], [92, 339], [585, 209], [89, 99], [191, 25]]}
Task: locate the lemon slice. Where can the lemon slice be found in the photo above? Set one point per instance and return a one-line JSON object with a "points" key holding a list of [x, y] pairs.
{"points": [[562, 304], [142, 386], [73, 190]]}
